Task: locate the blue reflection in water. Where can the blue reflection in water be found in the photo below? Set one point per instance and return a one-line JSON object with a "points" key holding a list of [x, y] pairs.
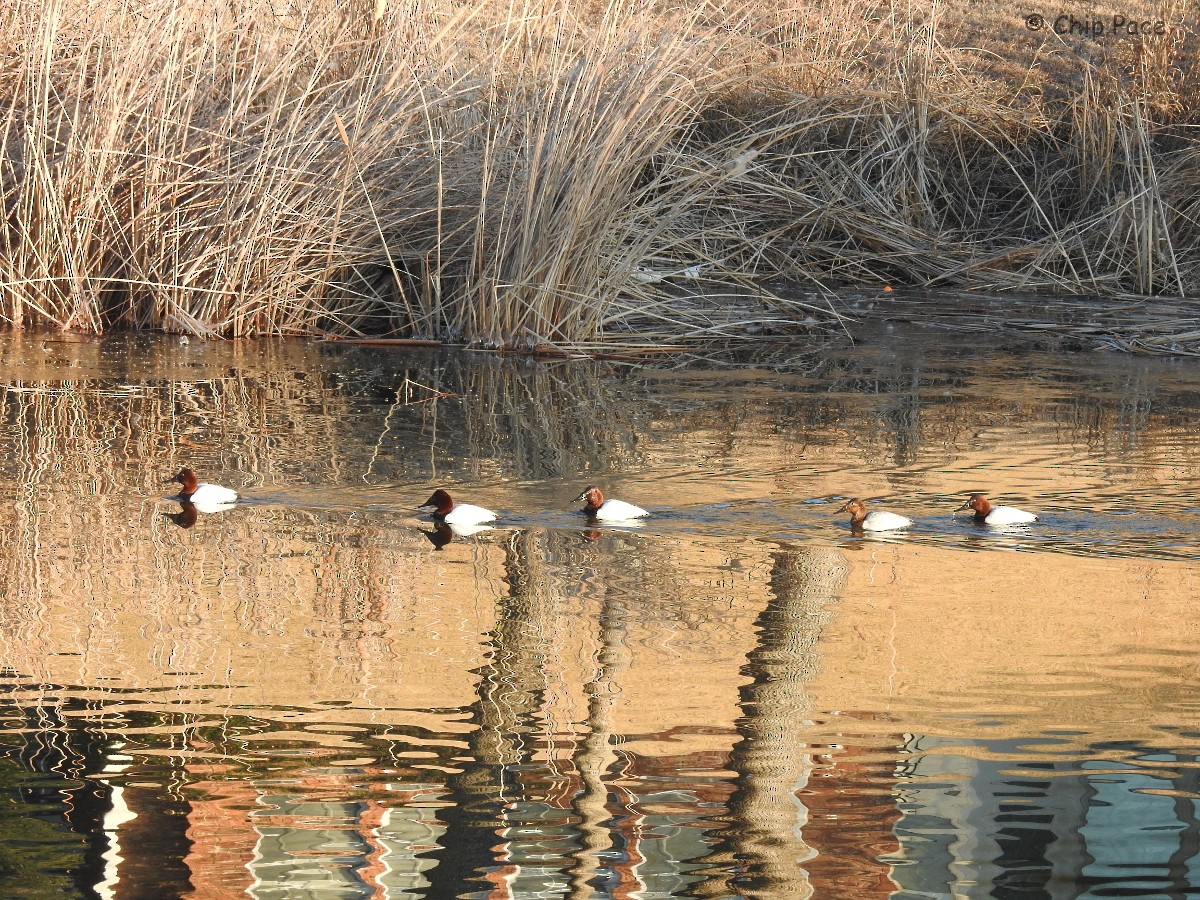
{"points": [[1091, 828]]}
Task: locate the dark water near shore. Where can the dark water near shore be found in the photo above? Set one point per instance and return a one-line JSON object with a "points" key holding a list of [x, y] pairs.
{"points": [[314, 695]]}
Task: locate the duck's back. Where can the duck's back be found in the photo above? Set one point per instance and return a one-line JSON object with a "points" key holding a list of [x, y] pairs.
{"points": [[468, 514], [617, 510], [882, 520], [1009, 515], [212, 495]]}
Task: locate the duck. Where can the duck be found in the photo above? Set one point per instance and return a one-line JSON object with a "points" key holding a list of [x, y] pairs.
{"points": [[876, 520], [451, 513], [608, 510], [986, 514], [202, 495]]}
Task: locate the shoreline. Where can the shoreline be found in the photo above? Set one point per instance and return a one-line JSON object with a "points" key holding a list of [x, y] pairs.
{"points": [[1153, 326]]}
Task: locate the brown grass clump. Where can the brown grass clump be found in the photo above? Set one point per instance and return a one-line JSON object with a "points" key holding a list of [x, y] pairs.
{"points": [[551, 174]]}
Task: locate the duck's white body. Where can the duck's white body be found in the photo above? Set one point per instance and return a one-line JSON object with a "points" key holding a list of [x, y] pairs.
{"points": [[464, 514], [207, 497], [619, 511], [1008, 515], [882, 520], [468, 530]]}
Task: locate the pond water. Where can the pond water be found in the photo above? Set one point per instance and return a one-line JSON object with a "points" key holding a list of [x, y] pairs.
{"points": [[315, 694]]}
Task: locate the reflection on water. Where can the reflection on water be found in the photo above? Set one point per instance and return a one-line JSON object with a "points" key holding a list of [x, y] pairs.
{"points": [[320, 693]]}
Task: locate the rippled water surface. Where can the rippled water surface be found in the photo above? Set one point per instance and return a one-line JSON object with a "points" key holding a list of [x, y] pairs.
{"points": [[319, 694]]}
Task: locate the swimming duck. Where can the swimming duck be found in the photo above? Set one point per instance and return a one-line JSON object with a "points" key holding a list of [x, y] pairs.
{"points": [[876, 520], [986, 514], [203, 496], [446, 510], [608, 510]]}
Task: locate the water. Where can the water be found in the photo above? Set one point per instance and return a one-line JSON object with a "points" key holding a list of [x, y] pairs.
{"points": [[316, 695]]}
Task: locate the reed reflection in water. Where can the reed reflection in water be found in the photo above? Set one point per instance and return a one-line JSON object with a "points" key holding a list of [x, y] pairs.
{"points": [[317, 694]]}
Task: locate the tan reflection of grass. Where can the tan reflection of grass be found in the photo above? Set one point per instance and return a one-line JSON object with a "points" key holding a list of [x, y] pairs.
{"points": [[260, 605], [503, 417], [567, 173], [240, 610]]}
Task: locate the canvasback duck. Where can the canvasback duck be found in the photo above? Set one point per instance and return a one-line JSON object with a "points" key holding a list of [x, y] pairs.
{"points": [[986, 514], [876, 520], [446, 510], [204, 496], [608, 510]]}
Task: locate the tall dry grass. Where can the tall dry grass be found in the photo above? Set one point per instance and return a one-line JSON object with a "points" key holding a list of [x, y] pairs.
{"points": [[544, 172]]}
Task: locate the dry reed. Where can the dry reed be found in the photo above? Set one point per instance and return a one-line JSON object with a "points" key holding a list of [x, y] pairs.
{"points": [[548, 175]]}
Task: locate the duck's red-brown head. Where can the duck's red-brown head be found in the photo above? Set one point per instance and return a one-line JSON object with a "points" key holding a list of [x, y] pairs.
{"points": [[857, 510], [594, 497], [980, 504], [188, 479], [440, 501]]}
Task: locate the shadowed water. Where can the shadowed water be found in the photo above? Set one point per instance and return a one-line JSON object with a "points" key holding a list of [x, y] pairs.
{"points": [[320, 694]]}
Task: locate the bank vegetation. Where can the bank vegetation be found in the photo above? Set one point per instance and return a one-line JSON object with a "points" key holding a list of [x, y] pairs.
{"points": [[562, 173]]}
